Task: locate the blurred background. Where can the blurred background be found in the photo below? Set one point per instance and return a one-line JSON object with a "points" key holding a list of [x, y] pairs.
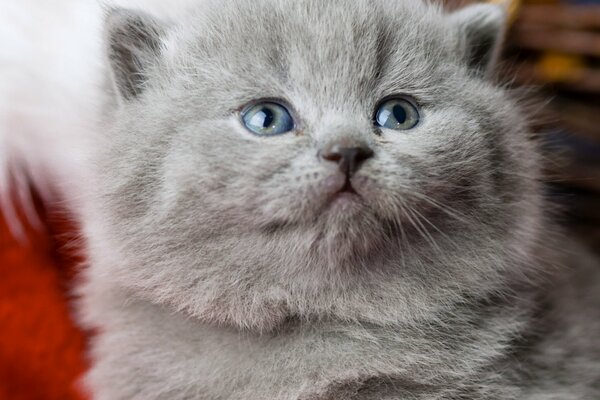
{"points": [[555, 45], [553, 48]]}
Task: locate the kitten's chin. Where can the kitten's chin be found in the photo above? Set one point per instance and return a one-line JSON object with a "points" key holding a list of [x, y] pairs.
{"points": [[342, 196], [349, 232], [345, 202]]}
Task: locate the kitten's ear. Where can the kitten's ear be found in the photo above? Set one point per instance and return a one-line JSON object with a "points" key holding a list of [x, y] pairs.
{"points": [[481, 29], [134, 43]]}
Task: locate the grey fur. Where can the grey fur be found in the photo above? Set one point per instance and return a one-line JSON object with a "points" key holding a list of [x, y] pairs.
{"points": [[133, 45], [219, 270]]}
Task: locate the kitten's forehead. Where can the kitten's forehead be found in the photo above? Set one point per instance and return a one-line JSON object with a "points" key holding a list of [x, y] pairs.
{"points": [[322, 48]]}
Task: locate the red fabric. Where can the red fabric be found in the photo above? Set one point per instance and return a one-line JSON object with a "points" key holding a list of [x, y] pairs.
{"points": [[41, 349]]}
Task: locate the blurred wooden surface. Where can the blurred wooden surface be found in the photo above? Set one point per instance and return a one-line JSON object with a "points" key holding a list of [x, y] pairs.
{"points": [[555, 47]]}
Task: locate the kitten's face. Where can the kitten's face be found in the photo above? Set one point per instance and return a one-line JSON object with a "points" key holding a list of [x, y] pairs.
{"points": [[240, 228]]}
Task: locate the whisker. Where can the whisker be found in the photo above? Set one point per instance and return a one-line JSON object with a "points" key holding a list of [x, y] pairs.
{"points": [[414, 220], [428, 221], [445, 208]]}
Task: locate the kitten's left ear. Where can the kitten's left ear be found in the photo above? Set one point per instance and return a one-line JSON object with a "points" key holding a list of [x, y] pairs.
{"points": [[481, 29], [133, 43]]}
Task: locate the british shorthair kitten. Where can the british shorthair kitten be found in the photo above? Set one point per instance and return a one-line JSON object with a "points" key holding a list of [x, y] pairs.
{"points": [[319, 200]]}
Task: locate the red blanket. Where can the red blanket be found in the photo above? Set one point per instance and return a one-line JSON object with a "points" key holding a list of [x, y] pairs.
{"points": [[42, 352]]}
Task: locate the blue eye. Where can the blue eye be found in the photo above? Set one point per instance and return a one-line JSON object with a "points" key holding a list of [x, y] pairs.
{"points": [[397, 113], [268, 119]]}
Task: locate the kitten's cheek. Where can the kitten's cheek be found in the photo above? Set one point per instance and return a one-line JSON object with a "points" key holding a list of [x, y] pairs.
{"points": [[364, 186]]}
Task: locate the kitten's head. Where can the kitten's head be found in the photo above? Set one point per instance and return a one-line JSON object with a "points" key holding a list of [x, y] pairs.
{"points": [[312, 158]]}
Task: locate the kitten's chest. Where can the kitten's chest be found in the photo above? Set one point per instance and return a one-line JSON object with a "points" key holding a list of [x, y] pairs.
{"points": [[326, 360]]}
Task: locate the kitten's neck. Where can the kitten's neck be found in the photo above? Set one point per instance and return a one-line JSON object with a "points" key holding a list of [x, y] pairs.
{"points": [[330, 359]]}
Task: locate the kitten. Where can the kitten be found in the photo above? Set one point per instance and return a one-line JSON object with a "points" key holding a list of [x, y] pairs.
{"points": [[325, 200]]}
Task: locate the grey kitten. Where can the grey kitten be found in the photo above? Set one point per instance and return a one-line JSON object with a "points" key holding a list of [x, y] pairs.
{"points": [[320, 199]]}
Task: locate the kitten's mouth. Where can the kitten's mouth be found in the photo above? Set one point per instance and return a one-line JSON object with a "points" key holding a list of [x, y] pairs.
{"points": [[345, 196], [347, 188], [341, 192]]}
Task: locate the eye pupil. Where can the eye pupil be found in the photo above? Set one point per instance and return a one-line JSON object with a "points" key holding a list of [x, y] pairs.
{"points": [[267, 117], [399, 114], [263, 118]]}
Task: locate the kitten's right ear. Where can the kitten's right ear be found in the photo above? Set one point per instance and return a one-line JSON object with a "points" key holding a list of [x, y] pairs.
{"points": [[134, 43], [481, 29]]}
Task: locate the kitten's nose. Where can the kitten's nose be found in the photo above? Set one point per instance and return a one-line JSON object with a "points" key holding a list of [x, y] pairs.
{"points": [[348, 157]]}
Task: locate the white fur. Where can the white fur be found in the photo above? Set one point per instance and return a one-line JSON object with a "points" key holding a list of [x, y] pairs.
{"points": [[51, 90]]}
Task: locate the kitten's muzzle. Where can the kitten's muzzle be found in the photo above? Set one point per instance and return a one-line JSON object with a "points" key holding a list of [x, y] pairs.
{"points": [[349, 156]]}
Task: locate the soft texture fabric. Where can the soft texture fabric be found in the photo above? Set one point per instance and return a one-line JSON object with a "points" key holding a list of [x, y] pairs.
{"points": [[41, 350]]}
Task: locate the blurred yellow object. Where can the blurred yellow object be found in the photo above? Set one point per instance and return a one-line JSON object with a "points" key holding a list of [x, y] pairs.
{"points": [[512, 6], [557, 67]]}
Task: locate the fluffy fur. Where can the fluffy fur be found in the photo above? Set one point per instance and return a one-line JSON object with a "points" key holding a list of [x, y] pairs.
{"points": [[221, 268]]}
